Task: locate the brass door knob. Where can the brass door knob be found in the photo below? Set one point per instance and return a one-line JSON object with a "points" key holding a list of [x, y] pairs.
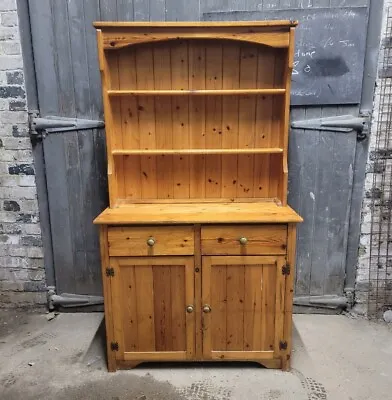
{"points": [[243, 240], [206, 308], [189, 309], [151, 241]]}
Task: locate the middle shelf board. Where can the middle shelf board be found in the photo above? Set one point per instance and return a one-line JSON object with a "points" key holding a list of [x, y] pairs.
{"points": [[140, 152], [196, 92]]}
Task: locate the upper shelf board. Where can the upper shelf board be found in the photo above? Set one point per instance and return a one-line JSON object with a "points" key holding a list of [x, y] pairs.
{"points": [[195, 92]]}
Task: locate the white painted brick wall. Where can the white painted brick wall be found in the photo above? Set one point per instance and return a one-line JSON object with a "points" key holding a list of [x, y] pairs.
{"points": [[366, 270], [22, 277]]}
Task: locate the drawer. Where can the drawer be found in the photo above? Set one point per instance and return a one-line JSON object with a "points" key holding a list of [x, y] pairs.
{"points": [[151, 241], [244, 239]]}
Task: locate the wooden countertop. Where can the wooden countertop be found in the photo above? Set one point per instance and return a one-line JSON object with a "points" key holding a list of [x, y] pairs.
{"points": [[198, 213]]}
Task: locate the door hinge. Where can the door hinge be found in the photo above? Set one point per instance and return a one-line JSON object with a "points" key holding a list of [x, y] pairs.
{"points": [[286, 269], [40, 127], [282, 345], [109, 271], [114, 346], [340, 123]]}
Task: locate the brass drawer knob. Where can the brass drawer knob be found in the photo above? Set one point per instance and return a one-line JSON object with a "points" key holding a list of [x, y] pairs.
{"points": [[206, 308], [151, 241], [243, 240], [189, 309]]}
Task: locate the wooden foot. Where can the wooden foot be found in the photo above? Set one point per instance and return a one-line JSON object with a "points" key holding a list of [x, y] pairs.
{"points": [[112, 365], [286, 362], [128, 364], [275, 363]]}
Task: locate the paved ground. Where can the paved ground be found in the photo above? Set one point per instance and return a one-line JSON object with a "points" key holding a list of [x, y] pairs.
{"points": [[335, 358]]}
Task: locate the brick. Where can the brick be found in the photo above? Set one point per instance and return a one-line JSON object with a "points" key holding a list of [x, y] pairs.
{"points": [[10, 62], [12, 91], [15, 77], [11, 286], [11, 205], [26, 169], [9, 18], [12, 143], [36, 263], [28, 193], [8, 181], [8, 216], [17, 251], [27, 218], [31, 240], [29, 206], [17, 105], [10, 47], [23, 299], [32, 229], [12, 117], [4, 104], [24, 155], [18, 131], [38, 275], [26, 181], [6, 227], [35, 252], [9, 239], [7, 5], [9, 33], [34, 286], [8, 155]]}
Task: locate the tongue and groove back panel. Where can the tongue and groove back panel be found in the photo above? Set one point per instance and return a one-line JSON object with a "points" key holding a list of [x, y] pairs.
{"points": [[202, 122]]}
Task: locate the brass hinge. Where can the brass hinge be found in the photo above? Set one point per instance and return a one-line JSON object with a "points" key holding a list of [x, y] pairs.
{"points": [[286, 269], [114, 346], [109, 271], [282, 345]]}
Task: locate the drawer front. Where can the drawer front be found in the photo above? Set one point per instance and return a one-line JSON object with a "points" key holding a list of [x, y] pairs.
{"points": [[151, 241], [243, 239]]}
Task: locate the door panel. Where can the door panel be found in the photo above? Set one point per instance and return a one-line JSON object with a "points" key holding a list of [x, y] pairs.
{"points": [[150, 297], [245, 295]]}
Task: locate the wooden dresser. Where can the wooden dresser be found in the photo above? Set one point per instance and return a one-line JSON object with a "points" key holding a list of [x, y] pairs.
{"points": [[198, 244]]}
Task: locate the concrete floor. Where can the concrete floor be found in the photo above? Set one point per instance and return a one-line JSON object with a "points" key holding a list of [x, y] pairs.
{"points": [[335, 358]]}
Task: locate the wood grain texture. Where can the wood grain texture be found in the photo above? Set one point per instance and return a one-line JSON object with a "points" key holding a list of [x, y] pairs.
{"points": [[208, 213], [197, 285], [195, 92], [118, 40], [107, 294], [245, 296], [197, 150], [289, 292], [132, 241], [263, 240], [188, 125], [153, 318]]}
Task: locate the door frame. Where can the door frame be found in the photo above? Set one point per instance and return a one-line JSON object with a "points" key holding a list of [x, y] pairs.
{"points": [[190, 318], [207, 262]]}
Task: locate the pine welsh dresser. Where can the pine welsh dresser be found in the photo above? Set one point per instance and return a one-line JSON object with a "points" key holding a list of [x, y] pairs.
{"points": [[198, 242]]}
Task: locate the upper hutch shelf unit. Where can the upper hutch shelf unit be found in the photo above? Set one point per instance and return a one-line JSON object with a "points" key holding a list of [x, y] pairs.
{"points": [[198, 244], [196, 111]]}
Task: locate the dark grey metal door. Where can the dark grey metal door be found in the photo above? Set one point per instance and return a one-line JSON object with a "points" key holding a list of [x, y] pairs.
{"points": [[326, 167]]}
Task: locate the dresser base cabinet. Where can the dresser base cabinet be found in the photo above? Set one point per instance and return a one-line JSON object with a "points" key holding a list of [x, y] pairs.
{"points": [[199, 307]]}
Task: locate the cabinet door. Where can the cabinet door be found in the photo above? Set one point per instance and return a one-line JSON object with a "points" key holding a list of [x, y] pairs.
{"points": [[153, 308], [243, 307]]}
